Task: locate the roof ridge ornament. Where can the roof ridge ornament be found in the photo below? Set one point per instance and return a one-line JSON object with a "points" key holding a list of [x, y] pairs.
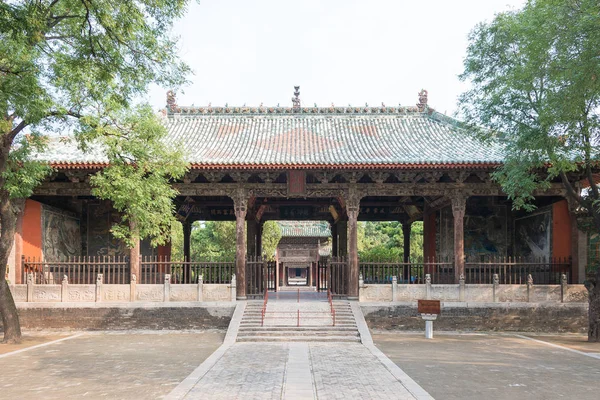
{"points": [[171, 101], [296, 98], [422, 104]]}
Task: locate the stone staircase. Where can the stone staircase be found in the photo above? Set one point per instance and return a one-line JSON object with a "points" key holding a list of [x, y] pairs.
{"points": [[281, 323]]}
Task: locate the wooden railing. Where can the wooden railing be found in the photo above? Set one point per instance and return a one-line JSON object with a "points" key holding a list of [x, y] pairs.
{"points": [[338, 276], [255, 276], [378, 271], [78, 270], [153, 270], [515, 270]]}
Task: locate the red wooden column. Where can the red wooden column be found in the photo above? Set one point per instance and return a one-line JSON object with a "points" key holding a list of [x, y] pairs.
{"points": [[240, 206], [459, 201], [352, 208]]}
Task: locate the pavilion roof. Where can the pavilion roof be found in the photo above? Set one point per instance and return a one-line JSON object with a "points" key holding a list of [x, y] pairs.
{"points": [[314, 229], [346, 137]]}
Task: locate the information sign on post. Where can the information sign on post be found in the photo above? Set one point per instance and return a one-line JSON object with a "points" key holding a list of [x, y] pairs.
{"points": [[429, 310]]}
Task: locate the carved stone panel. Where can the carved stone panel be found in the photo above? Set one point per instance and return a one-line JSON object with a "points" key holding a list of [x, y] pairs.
{"points": [[47, 293], [81, 293], [184, 293], [376, 293], [512, 293], [19, 292], [576, 294], [411, 292], [444, 292], [116, 293], [479, 293], [216, 292], [150, 292]]}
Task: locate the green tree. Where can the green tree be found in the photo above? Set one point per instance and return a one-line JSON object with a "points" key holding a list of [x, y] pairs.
{"points": [[78, 66], [535, 87], [385, 241], [271, 234], [213, 240]]}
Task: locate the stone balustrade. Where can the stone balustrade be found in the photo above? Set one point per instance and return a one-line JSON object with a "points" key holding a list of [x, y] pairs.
{"points": [[101, 292], [490, 293]]}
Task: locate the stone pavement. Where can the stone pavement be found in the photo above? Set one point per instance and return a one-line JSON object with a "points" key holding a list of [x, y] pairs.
{"points": [[103, 365], [299, 370], [505, 366]]}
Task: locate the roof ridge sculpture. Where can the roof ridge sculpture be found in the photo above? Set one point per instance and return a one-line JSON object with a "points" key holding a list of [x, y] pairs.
{"points": [[173, 108]]}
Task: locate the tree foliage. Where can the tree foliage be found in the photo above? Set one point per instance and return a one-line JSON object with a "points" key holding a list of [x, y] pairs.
{"points": [[385, 241], [79, 67], [535, 88]]}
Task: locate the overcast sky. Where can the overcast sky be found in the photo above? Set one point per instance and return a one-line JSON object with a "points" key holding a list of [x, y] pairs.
{"points": [[338, 51]]}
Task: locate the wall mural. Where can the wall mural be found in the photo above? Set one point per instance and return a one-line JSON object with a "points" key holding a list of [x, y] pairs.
{"points": [[533, 235], [101, 242], [485, 228], [485, 231], [61, 237]]}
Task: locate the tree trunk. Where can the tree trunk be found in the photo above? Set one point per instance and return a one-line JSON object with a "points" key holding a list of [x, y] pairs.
{"points": [[9, 210], [593, 286]]}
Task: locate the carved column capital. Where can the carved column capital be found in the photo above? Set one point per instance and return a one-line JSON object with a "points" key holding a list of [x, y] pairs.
{"points": [[240, 201], [459, 202], [352, 201]]}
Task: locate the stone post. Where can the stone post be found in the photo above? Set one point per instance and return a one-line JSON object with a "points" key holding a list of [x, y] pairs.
{"points": [[529, 288], [461, 288], [394, 288], [167, 287], [352, 209], [233, 287], [406, 227], [99, 279], [563, 287], [133, 288], [64, 289], [29, 287], [427, 286], [200, 288], [240, 205], [459, 200], [361, 281], [496, 282]]}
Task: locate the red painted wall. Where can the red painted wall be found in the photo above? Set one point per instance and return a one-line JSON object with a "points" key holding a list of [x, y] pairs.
{"points": [[31, 231], [561, 230]]}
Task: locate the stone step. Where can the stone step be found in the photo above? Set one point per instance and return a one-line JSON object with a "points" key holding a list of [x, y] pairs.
{"points": [[293, 332], [298, 339], [300, 328]]}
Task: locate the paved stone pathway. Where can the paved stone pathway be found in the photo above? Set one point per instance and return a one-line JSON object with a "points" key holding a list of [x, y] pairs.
{"points": [[298, 370]]}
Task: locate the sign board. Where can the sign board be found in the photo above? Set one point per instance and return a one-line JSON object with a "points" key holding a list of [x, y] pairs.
{"points": [[429, 307], [296, 182]]}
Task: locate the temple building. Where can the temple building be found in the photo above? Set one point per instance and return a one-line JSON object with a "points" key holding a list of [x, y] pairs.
{"points": [[299, 250], [335, 164]]}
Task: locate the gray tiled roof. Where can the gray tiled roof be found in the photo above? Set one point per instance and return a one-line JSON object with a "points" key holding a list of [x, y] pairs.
{"points": [[298, 140]]}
